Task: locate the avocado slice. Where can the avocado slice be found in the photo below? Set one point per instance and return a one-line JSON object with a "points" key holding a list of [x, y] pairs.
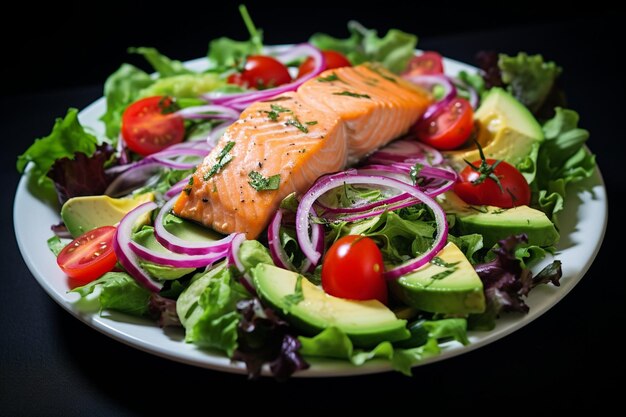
{"points": [[82, 214], [495, 223], [366, 323], [507, 130], [448, 285]]}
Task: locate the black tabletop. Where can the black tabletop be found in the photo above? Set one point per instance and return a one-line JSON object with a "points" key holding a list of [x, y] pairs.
{"points": [[52, 364]]}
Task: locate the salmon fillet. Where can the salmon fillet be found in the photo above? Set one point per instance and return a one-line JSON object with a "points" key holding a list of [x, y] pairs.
{"points": [[332, 120]]}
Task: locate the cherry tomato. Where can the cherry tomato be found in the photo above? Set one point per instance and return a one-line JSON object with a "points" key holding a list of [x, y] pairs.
{"points": [[353, 269], [428, 63], [515, 190], [260, 72], [149, 125], [334, 60], [90, 255], [448, 128]]}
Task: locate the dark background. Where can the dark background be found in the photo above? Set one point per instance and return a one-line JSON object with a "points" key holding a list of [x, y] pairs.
{"points": [[51, 364]]}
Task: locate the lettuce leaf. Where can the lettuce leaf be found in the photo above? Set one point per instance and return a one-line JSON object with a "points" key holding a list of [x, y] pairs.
{"points": [[528, 77], [161, 64], [562, 160], [120, 89], [82, 175], [394, 50], [263, 337], [334, 343], [507, 282], [120, 292], [215, 318], [67, 138]]}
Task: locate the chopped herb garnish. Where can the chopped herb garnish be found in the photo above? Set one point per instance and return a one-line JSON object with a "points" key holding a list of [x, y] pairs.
{"points": [[297, 296], [275, 112], [168, 105], [311, 123], [351, 94], [260, 183], [187, 190], [296, 123], [332, 77], [223, 158], [440, 262], [378, 71], [190, 182], [415, 172], [273, 100], [443, 274]]}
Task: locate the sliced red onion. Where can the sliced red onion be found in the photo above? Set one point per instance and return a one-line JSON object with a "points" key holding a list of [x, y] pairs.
{"points": [[406, 150], [175, 260], [329, 182], [430, 81], [233, 259], [177, 188], [209, 112], [136, 176], [317, 239], [215, 134], [178, 245], [125, 255], [242, 100], [471, 91], [279, 256]]}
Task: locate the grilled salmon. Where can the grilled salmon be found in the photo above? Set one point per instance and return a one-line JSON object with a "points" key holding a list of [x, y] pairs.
{"points": [[283, 145]]}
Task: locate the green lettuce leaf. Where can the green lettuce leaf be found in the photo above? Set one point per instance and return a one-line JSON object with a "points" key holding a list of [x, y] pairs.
{"points": [[529, 78], [394, 50], [184, 86], [161, 64], [252, 253], [120, 89], [562, 160], [334, 343], [55, 245], [66, 139], [207, 310], [469, 245], [120, 292]]}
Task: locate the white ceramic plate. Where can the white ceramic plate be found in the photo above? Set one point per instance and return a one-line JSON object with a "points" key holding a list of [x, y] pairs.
{"points": [[582, 230]]}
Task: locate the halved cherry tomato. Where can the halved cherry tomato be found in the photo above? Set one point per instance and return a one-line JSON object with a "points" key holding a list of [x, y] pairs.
{"points": [[428, 63], [260, 72], [513, 190], [90, 255], [448, 128], [149, 125], [353, 269], [334, 60]]}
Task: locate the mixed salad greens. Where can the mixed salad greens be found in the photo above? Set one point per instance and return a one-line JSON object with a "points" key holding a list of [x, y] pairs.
{"points": [[450, 251]]}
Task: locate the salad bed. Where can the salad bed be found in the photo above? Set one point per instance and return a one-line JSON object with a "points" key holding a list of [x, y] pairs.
{"points": [[226, 317]]}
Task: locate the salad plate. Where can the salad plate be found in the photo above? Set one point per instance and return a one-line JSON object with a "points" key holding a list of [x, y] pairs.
{"points": [[582, 226]]}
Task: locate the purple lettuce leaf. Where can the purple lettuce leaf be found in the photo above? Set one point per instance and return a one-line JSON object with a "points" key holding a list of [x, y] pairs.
{"points": [[163, 310], [506, 283], [82, 175], [263, 337]]}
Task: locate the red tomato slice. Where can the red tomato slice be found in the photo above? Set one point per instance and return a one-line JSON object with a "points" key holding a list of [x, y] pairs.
{"points": [[261, 72], [515, 190], [334, 60], [149, 125], [90, 255], [426, 64], [353, 269], [448, 128]]}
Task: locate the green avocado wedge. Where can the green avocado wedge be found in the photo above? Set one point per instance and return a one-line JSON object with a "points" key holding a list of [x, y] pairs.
{"points": [[447, 285], [495, 223], [366, 323]]}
